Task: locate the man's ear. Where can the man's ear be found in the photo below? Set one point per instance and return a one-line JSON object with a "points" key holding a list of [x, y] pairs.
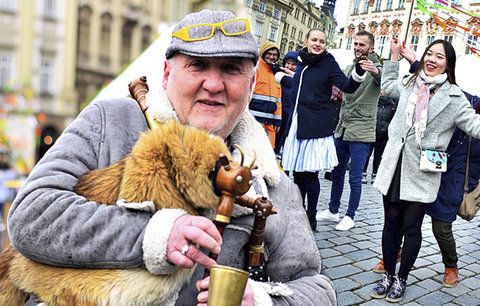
{"points": [[166, 74]]}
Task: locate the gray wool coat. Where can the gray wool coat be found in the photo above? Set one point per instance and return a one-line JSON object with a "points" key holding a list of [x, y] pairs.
{"points": [[49, 223], [447, 109]]}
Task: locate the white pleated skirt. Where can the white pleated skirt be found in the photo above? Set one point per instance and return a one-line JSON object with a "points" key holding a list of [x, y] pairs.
{"points": [[308, 155]]}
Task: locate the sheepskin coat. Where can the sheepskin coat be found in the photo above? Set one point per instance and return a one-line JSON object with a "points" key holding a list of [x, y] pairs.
{"points": [[51, 224]]}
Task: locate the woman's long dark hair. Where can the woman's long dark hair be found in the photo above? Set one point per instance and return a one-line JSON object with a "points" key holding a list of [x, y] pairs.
{"points": [[449, 55]]}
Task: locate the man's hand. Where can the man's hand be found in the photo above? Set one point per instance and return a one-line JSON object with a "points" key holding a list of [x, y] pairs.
{"points": [[288, 71], [188, 232], [202, 297], [368, 65]]}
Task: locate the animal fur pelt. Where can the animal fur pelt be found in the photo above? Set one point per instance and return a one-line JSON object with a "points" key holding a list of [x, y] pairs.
{"points": [[169, 166]]}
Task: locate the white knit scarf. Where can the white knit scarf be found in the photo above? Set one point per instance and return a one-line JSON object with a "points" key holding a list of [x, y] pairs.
{"points": [[418, 102]]}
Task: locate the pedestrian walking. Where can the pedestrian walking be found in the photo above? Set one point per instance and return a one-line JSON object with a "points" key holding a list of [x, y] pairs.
{"points": [[309, 146], [355, 132], [430, 106]]}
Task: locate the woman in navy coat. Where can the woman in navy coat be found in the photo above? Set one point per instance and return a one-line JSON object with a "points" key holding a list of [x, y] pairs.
{"points": [[309, 146]]}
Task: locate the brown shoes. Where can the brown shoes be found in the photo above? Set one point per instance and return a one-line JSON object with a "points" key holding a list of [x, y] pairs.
{"points": [[450, 279], [380, 267]]}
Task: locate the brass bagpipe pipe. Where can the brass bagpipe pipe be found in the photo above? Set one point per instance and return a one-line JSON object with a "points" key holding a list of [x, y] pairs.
{"points": [[232, 181]]}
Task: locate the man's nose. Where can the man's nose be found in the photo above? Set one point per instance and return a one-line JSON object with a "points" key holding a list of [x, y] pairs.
{"points": [[214, 81]]}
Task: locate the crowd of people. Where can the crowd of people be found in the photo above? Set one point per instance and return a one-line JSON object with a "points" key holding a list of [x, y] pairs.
{"points": [[316, 117]]}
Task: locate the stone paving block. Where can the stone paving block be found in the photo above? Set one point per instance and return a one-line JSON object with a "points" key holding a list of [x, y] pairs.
{"points": [[414, 292], [411, 304], [368, 277], [435, 298], [324, 244], [472, 283], [475, 254], [475, 293], [336, 261], [467, 300], [436, 258], [438, 267], [474, 268], [467, 259], [464, 273], [365, 291], [359, 230], [376, 236], [326, 253], [376, 302], [430, 284], [348, 298], [362, 245], [367, 264], [423, 273], [420, 262], [341, 240], [325, 235], [345, 284], [362, 238], [345, 248], [339, 272], [361, 255], [457, 291], [469, 243]]}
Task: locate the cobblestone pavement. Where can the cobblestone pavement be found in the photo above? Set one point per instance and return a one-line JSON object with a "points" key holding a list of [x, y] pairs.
{"points": [[348, 257]]}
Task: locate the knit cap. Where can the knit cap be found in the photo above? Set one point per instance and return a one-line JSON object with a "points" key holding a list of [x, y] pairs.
{"points": [[219, 45]]}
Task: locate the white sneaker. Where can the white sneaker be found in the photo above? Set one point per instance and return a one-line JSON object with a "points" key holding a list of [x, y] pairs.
{"points": [[346, 224], [326, 215]]}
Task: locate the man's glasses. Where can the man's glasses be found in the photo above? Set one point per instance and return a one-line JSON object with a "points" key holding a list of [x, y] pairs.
{"points": [[204, 31]]}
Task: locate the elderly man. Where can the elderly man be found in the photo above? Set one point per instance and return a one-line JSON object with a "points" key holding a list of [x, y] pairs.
{"points": [[208, 78]]}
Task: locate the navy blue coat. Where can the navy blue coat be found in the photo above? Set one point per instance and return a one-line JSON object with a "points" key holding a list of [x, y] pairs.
{"points": [[450, 194], [316, 114]]}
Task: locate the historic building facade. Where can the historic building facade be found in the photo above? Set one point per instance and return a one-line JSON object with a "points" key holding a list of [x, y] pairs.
{"points": [[286, 22], [391, 18]]}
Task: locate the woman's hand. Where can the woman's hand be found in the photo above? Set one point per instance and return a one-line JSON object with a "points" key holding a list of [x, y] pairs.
{"points": [[408, 54], [289, 72], [396, 49], [202, 297]]}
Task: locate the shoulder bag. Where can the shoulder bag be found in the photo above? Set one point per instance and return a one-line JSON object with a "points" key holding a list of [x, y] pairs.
{"points": [[471, 200]]}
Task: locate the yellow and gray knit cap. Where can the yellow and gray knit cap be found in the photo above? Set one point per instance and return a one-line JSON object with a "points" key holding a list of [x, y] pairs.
{"points": [[220, 45]]}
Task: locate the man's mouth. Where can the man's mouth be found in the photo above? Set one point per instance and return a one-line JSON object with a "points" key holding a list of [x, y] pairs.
{"points": [[210, 102]]}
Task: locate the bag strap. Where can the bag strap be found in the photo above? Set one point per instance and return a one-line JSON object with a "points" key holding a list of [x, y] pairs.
{"points": [[467, 167]]}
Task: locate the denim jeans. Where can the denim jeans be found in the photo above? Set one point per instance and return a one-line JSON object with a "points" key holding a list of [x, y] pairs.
{"points": [[357, 153]]}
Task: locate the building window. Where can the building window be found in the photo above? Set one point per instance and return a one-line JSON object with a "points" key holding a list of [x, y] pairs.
{"points": [[277, 13], [300, 35], [381, 44], [273, 33], [127, 34], [258, 28], [378, 6], [309, 22], [414, 42], [389, 4], [6, 69], [356, 5], [8, 6], [105, 34], [471, 42], [49, 9], [297, 13], [47, 67], [448, 38], [304, 17], [262, 7], [146, 35], [401, 4], [294, 32], [285, 28], [84, 32], [249, 3], [365, 7], [430, 39], [349, 43]]}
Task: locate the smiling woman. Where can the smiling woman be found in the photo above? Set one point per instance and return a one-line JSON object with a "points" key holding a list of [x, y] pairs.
{"points": [[430, 106]]}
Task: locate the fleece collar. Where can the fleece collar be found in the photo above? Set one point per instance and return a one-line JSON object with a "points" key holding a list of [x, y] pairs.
{"points": [[248, 134]]}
